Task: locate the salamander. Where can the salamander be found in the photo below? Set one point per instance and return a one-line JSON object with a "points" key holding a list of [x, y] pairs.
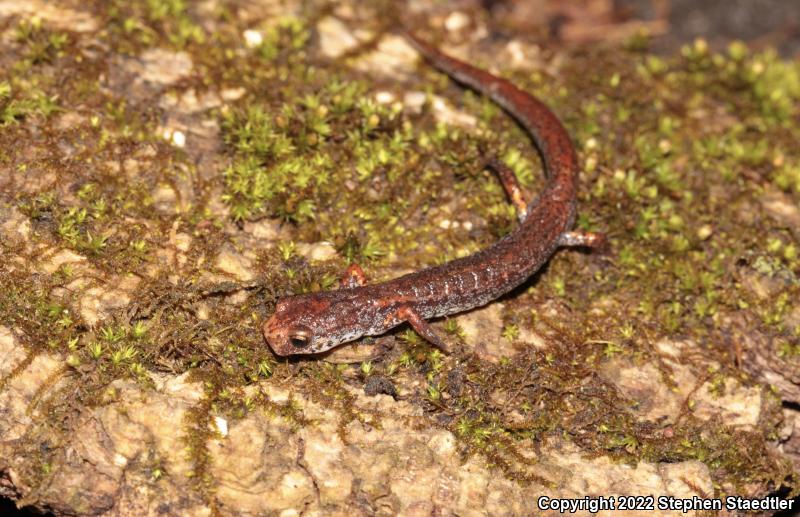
{"points": [[316, 322]]}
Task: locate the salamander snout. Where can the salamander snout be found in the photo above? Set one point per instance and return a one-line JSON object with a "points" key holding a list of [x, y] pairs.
{"points": [[286, 330], [285, 341]]}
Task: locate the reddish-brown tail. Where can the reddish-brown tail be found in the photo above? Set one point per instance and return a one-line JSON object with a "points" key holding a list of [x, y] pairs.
{"points": [[547, 132]]}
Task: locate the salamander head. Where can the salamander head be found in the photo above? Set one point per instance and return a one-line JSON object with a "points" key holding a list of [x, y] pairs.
{"points": [[307, 324]]}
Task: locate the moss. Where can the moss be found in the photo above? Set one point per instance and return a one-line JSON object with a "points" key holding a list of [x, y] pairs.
{"points": [[197, 431], [151, 22]]}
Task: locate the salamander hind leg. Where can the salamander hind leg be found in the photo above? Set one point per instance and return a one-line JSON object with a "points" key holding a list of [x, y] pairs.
{"points": [[511, 185], [422, 328], [353, 277], [596, 241]]}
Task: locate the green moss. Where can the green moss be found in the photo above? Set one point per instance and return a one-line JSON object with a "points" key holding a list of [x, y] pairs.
{"points": [[16, 106], [150, 23]]}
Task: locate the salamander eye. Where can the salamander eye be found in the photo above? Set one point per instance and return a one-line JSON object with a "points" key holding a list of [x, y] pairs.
{"points": [[299, 341], [300, 338]]}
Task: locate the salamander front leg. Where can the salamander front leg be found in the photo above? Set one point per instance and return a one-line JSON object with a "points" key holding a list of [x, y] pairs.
{"points": [[422, 328], [596, 241], [511, 185], [353, 277]]}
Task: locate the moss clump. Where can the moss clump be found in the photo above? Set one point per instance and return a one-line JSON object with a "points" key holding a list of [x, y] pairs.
{"points": [[146, 23]]}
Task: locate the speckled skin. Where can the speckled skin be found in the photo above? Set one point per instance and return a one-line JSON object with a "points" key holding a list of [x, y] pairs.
{"points": [[320, 321]]}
